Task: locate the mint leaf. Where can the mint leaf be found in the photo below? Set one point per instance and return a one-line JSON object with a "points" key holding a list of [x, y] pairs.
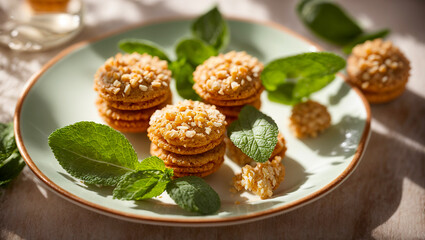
{"points": [[7, 140], [254, 133], [194, 194], [142, 46], [363, 38], [154, 163], [142, 184], [288, 80], [212, 28], [183, 75], [11, 167], [92, 152], [195, 51], [328, 20]]}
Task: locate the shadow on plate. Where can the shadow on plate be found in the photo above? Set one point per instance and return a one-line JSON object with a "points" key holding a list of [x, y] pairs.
{"points": [[340, 139]]}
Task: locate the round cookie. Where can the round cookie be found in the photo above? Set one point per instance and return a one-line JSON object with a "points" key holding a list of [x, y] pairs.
{"points": [[234, 102], [132, 78], [127, 126], [173, 159], [230, 76], [182, 150], [383, 97], [201, 174], [133, 106], [128, 115], [378, 67], [233, 111], [187, 124]]}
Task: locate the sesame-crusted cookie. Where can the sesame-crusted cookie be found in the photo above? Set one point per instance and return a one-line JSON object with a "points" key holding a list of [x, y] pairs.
{"points": [[132, 78], [236, 155], [129, 115], [140, 105], [188, 124], [234, 102], [197, 160], [378, 67], [309, 118], [230, 76]]}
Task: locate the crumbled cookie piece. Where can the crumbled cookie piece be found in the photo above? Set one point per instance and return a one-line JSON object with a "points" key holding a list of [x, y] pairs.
{"points": [[309, 118], [262, 179]]}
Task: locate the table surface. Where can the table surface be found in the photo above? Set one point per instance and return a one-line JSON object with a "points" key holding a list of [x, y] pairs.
{"points": [[384, 198]]}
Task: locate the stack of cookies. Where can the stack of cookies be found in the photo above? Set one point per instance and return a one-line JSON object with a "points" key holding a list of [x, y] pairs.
{"points": [[230, 81], [379, 69], [188, 137], [131, 87]]}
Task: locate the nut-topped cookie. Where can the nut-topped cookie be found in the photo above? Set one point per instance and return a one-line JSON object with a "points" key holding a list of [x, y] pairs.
{"points": [[379, 69], [132, 78], [234, 75], [229, 81], [130, 88], [188, 136], [189, 124]]}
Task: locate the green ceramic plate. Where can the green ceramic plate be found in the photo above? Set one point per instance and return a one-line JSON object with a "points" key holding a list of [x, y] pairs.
{"points": [[62, 94]]}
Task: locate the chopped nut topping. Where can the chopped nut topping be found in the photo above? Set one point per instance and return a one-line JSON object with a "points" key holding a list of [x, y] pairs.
{"points": [[309, 119], [225, 73], [134, 69], [261, 179], [374, 61]]}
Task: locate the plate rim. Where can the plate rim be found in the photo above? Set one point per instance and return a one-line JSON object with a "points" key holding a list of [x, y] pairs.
{"points": [[198, 221]]}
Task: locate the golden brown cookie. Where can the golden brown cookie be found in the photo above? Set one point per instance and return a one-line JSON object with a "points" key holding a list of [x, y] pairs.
{"points": [[128, 115], [187, 125], [140, 105], [236, 155], [132, 78], [234, 102], [127, 126], [230, 76], [383, 97], [309, 118], [378, 67], [197, 160], [201, 174], [233, 111]]}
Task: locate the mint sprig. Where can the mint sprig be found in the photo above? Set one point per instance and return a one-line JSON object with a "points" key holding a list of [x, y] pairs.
{"points": [[97, 154], [194, 194], [212, 28], [329, 21], [142, 46], [11, 162], [254, 133], [288, 80]]}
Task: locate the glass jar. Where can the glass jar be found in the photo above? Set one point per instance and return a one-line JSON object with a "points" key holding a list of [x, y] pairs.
{"points": [[34, 25]]}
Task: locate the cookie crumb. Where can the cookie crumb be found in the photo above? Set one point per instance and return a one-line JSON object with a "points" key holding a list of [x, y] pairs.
{"points": [[309, 118]]}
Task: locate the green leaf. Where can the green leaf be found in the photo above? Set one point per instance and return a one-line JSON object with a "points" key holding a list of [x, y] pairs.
{"points": [[288, 80], [254, 133], [11, 167], [195, 51], [142, 46], [328, 20], [212, 28], [7, 140], [194, 194], [142, 184], [183, 75], [92, 152], [363, 38]]}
